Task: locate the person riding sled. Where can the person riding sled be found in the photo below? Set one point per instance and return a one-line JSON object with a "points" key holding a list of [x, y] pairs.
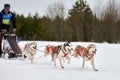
{"points": [[7, 18]]}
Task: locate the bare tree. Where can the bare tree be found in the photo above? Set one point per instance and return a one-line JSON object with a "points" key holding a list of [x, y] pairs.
{"points": [[110, 17], [56, 12], [56, 9]]}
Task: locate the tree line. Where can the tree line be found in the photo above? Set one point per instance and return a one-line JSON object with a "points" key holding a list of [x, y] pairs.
{"points": [[81, 24]]}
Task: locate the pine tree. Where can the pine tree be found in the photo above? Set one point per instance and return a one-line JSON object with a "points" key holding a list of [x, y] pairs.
{"points": [[80, 20]]}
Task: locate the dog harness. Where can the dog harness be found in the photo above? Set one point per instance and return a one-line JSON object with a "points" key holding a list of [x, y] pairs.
{"points": [[88, 56], [79, 51], [49, 48], [65, 53], [31, 54]]}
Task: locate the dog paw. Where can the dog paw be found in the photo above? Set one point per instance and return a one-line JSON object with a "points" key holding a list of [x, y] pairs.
{"points": [[96, 70], [63, 61], [52, 60], [68, 62], [83, 66], [62, 67]]}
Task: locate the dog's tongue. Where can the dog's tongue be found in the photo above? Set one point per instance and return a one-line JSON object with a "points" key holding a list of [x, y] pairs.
{"points": [[34, 47], [94, 52], [70, 51]]}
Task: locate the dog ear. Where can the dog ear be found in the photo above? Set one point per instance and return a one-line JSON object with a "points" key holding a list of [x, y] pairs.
{"points": [[32, 43], [89, 46], [68, 42]]}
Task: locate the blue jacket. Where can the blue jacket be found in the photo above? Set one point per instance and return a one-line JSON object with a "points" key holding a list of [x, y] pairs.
{"points": [[6, 19]]}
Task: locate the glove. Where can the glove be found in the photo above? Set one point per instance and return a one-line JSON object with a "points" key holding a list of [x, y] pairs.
{"points": [[14, 30], [4, 30]]}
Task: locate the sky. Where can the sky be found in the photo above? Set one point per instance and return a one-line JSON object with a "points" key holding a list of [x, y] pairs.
{"points": [[40, 6]]}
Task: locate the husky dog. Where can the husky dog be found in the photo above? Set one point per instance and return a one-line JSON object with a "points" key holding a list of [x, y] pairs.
{"points": [[62, 52], [86, 54], [29, 51], [51, 50]]}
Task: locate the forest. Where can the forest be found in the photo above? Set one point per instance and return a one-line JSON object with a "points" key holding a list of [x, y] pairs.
{"points": [[81, 24]]}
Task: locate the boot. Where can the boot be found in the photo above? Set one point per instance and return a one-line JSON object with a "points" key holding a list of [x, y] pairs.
{"points": [[11, 55]]}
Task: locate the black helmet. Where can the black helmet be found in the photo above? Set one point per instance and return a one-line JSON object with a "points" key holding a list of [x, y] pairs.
{"points": [[6, 6]]}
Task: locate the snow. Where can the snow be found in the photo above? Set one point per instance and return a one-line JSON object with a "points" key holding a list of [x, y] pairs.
{"points": [[107, 61]]}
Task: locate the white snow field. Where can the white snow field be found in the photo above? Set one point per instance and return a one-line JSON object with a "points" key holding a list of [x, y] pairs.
{"points": [[107, 61]]}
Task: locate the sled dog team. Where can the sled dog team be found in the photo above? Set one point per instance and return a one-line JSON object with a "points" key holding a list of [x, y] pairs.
{"points": [[62, 53]]}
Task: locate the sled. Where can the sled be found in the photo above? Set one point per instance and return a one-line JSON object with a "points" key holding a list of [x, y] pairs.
{"points": [[10, 42]]}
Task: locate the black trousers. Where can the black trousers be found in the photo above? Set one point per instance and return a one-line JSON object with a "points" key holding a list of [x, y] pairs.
{"points": [[0, 44]]}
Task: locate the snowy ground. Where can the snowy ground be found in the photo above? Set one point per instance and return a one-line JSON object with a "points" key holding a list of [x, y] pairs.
{"points": [[107, 61]]}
